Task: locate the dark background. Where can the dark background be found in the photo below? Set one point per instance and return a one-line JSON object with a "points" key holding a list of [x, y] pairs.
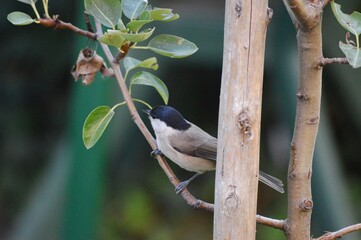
{"points": [[51, 187]]}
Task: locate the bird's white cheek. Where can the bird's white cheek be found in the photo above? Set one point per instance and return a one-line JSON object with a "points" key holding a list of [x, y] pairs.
{"points": [[161, 129], [158, 126]]}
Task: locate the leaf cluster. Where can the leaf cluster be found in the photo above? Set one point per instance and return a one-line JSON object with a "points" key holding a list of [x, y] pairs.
{"points": [[126, 21], [352, 23]]}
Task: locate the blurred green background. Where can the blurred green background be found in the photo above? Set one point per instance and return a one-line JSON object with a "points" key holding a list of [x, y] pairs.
{"points": [[51, 187]]}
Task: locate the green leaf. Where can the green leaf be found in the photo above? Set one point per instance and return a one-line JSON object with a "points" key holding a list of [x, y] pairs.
{"points": [[133, 8], [107, 12], [351, 23], [121, 25], [20, 18], [28, 1], [146, 78], [353, 54], [163, 14], [150, 63], [172, 46], [113, 38], [135, 25], [132, 63], [95, 124], [138, 37], [145, 15]]}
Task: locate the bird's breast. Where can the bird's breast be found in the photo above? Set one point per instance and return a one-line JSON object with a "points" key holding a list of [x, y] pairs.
{"points": [[189, 163]]}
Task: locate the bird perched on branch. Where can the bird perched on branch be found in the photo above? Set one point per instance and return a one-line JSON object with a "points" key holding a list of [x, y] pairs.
{"points": [[189, 146]]}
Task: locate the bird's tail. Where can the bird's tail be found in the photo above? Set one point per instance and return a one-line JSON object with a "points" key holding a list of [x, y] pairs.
{"points": [[273, 182]]}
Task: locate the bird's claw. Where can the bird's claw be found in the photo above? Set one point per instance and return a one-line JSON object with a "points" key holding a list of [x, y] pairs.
{"points": [[180, 187], [156, 152]]}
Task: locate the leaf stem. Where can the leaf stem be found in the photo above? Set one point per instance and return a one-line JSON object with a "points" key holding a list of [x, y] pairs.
{"points": [[141, 101], [140, 47], [35, 10], [126, 76], [46, 8], [117, 105]]}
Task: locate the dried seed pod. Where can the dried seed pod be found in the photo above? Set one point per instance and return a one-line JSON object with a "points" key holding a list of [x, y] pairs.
{"points": [[88, 64]]}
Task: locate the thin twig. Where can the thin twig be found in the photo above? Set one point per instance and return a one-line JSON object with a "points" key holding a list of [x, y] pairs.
{"points": [[56, 23], [87, 22], [187, 196], [324, 61], [270, 222], [340, 233]]}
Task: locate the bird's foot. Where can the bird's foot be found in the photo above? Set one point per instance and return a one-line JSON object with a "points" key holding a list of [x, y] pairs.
{"points": [[181, 186], [156, 152]]}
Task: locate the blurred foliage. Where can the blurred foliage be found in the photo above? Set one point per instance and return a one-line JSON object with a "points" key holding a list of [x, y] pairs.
{"points": [[52, 187]]}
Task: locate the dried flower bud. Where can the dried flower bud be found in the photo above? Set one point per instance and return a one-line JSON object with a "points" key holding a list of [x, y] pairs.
{"points": [[88, 64]]}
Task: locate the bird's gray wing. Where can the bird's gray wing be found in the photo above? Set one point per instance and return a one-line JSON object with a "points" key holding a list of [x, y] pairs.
{"points": [[197, 143], [271, 181]]}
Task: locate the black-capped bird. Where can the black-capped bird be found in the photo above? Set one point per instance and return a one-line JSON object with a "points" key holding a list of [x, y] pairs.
{"points": [[189, 146]]}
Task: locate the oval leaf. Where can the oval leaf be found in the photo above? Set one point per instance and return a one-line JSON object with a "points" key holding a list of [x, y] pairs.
{"points": [[150, 63], [20, 18], [353, 54], [135, 25], [120, 25], [163, 14], [145, 15], [107, 12], [133, 8], [138, 37], [95, 124], [132, 63], [146, 78], [351, 23], [112, 37], [172, 46]]}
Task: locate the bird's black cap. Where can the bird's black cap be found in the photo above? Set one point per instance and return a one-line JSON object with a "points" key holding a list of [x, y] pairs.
{"points": [[169, 116]]}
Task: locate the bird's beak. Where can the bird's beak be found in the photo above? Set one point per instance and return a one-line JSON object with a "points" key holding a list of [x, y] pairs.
{"points": [[147, 111]]}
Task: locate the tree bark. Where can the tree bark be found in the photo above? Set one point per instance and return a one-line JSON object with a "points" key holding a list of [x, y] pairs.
{"points": [[300, 204], [239, 119]]}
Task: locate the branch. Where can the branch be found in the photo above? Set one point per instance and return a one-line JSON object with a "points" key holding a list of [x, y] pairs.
{"points": [[340, 233], [324, 61], [187, 196], [275, 223], [305, 13], [56, 23], [298, 8], [309, 41]]}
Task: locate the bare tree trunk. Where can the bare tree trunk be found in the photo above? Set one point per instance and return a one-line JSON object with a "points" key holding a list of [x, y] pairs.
{"points": [[306, 16], [239, 119], [304, 137]]}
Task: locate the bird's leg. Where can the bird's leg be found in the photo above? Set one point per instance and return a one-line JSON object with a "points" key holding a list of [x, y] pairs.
{"points": [[182, 185], [156, 152]]}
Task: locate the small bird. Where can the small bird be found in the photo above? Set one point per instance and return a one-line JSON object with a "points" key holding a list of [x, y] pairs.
{"points": [[189, 146]]}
